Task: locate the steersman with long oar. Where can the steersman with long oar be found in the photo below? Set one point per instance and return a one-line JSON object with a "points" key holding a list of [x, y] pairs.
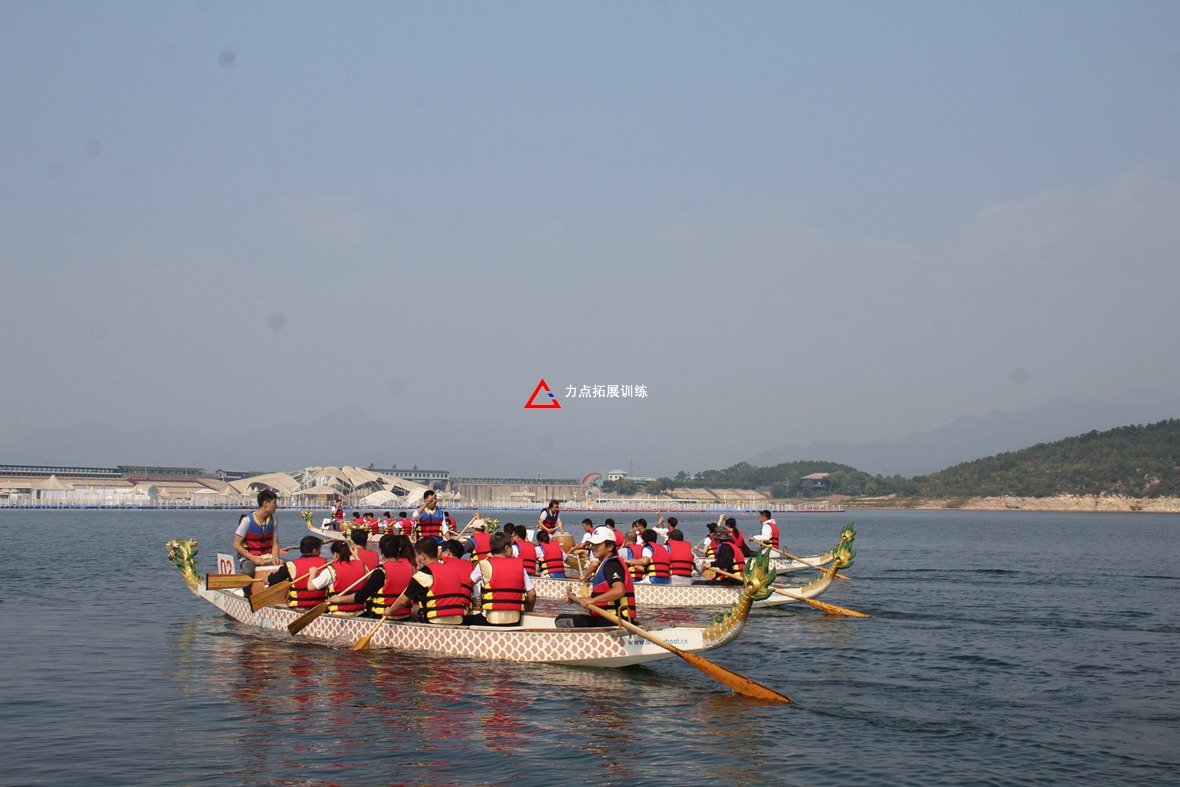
{"points": [[612, 599]]}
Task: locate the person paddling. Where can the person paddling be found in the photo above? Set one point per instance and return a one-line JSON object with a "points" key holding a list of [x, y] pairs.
{"points": [[299, 595], [360, 537], [503, 587], [340, 577], [769, 537], [611, 590], [388, 581]]}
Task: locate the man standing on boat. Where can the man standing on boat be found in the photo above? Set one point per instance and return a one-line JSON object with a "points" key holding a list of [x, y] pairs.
{"points": [[549, 520], [770, 532], [255, 540], [429, 518]]}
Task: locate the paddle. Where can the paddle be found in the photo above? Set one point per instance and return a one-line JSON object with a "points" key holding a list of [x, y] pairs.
{"points": [[739, 683], [270, 595], [226, 581], [798, 559], [305, 620], [830, 609], [363, 642]]}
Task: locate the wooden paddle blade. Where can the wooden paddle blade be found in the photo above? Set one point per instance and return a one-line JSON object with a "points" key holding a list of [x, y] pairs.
{"points": [[739, 683], [305, 620], [832, 609], [271, 595], [225, 581], [363, 642], [824, 606]]}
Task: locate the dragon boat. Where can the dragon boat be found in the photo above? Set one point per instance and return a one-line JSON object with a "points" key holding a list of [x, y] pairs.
{"points": [[537, 640], [786, 565], [648, 596]]}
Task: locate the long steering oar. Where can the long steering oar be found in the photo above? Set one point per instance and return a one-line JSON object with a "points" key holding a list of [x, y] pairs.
{"points": [[304, 620], [277, 591], [798, 559], [830, 609], [739, 683]]}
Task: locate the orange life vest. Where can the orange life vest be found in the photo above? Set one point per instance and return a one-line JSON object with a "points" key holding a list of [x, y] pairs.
{"points": [[680, 559]]}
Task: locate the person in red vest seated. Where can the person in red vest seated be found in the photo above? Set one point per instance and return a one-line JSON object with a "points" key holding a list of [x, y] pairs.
{"points": [[726, 558], [682, 563], [360, 538], [739, 541], [551, 557], [523, 548], [769, 537], [357, 520], [611, 589], [653, 560], [256, 539], [441, 590], [388, 581], [300, 595], [481, 542], [343, 575], [503, 587], [631, 554], [386, 524], [404, 525]]}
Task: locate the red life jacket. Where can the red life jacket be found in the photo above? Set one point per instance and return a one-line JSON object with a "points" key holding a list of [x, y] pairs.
{"points": [[338, 514], [634, 552], [773, 532], [370, 558], [450, 593], [371, 523], [739, 541], [623, 607], [299, 594], [658, 567], [260, 536], [356, 522], [554, 559], [407, 525], [504, 589], [397, 579], [618, 538], [430, 525], [387, 524], [483, 546], [347, 581], [548, 521], [680, 559], [528, 553]]}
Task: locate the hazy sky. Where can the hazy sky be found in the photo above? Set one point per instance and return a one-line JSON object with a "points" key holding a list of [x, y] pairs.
{"points": [[790, 221]]}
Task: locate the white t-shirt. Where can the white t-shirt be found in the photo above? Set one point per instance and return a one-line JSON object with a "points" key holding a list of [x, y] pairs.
{"points": [[766, 533]]}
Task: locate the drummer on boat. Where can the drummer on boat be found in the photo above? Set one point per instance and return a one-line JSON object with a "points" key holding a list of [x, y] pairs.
{"points": [[256, 538], [611, 590], [549, 520]]}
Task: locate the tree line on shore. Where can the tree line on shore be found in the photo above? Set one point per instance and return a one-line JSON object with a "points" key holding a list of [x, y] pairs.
{"points": [[1135, 461]]}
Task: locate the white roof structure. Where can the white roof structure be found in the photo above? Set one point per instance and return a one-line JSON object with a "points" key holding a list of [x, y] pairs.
{"points": [[279, 482]]}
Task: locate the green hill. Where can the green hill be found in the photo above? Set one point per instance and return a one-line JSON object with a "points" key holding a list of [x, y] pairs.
{"points": [[1137, 461]]}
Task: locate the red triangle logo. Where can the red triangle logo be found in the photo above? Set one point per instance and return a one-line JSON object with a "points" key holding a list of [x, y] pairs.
{"points": [[548, 402]]}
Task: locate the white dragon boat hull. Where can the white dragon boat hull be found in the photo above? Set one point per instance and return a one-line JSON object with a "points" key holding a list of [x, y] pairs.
{"points": [[537, 640], [648, 596]]}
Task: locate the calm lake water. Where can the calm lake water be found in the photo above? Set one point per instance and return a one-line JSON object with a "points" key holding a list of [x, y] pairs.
{"points": [[1004, 648]]}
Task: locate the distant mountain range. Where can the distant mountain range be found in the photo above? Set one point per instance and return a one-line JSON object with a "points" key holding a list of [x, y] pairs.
{"points": [[976, 437]]}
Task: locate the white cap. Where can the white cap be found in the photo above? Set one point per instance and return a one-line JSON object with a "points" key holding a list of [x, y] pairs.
{"points": [[601, 535]]}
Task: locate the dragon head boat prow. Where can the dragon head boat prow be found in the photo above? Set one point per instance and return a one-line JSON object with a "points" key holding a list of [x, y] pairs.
{"points": [[756, 578], [183, 555]]}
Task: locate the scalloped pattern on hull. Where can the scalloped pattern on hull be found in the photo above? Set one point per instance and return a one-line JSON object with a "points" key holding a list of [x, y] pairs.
{"points": [[664, 596], [606, 647]]}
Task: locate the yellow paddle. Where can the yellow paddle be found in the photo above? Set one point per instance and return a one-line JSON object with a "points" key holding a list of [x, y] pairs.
{"points": [[739, 683], [830, 609], [305, 620], [363, 642], [226, 581], [277, 591]]}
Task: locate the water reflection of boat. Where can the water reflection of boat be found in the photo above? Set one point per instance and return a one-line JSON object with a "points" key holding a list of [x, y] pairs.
{"points": [[537, 640]]}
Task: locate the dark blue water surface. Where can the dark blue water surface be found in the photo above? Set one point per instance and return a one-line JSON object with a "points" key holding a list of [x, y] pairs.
{"points": [[1004, 648]]}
